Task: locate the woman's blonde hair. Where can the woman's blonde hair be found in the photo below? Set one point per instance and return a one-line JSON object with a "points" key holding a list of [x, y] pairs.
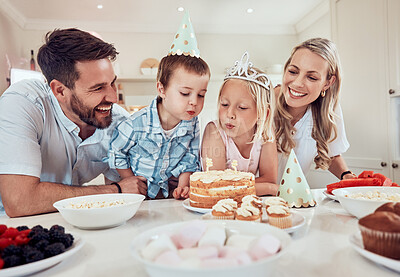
{"points": [[324, 127], [265, 103]]}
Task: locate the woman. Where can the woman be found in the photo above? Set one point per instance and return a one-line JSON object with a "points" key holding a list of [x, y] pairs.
{"points": [[308, 117]]}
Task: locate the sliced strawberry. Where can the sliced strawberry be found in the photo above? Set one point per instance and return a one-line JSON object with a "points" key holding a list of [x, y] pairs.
{"points": [[366, 174]]}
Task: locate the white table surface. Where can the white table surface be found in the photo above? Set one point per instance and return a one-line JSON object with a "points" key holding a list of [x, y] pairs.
{"points": [[320, 248]]}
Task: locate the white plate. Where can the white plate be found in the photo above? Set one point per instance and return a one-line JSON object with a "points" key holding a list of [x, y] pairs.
{"points": [[356, 243], [186, 204], [331, 196], [34, 267], [297, 221]]}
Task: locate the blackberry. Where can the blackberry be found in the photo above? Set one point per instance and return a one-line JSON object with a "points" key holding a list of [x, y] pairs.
{"points": [[41, 245], [33, 256], [11, 250], [37, 228], [21, 228], [67, 240], [54, 249], [36, 237], [11, 261], [57, 228]]}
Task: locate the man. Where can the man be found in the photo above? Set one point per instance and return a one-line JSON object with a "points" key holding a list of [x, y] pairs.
{"points": [[55, 136]]}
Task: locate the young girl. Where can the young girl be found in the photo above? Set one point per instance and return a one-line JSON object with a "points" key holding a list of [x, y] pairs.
{"points": [[309, 118], [244, 129]]}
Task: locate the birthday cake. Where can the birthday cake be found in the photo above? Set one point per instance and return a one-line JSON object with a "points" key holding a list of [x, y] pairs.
{"points": [[207, 188]]}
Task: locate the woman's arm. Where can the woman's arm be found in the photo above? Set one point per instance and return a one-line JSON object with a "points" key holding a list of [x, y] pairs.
{"points": [[338, 166], [268, 170]]}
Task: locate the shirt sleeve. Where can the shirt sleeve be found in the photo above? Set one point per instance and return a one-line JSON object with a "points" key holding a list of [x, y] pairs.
{"points": [[122, 140], [340, 144], [190, 161], [21, 126]]}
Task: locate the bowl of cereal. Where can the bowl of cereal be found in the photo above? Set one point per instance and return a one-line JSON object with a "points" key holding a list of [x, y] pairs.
{"points": [[211, 248], [361, 201], [100, 210]]}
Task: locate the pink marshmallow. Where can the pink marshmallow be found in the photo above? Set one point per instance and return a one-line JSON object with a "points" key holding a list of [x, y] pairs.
{"points": [[235, 253], [265, 246], [168, 258], [219, 262], [189, 235], [204, 252]]}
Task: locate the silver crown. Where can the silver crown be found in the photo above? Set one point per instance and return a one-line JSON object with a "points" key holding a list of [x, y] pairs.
{"points": [[244, 70]]}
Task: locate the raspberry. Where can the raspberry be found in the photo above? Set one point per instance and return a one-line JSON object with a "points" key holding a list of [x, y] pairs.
{"points": [[54, 249], [1, 263], [25, 233], [4, 242], [10, 233], [20, 240], [3, 228]]}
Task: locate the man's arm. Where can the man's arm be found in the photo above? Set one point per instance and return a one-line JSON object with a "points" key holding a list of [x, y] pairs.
{"points": [[25, 195]]}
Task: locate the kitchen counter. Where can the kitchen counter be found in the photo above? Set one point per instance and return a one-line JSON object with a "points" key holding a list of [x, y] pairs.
{"points": [[319, 248]]}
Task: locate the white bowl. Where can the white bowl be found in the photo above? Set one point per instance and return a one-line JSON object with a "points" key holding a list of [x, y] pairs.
{"points": [[360, 207], [98, 218], [258, 268]]}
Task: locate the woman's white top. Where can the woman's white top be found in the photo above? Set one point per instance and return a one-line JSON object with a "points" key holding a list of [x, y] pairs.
{"points": [[306, 146]]}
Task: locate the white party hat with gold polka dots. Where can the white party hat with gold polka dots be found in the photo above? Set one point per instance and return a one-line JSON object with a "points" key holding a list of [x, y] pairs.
{"points": [[293, 186], [185, 42]]}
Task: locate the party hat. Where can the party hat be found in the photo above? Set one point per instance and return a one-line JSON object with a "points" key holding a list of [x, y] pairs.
{"points": [[293, 186], [185, 42]]}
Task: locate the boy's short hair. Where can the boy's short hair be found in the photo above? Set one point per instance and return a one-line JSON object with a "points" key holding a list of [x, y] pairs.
{"points": [[64, 48], [169, 63]]}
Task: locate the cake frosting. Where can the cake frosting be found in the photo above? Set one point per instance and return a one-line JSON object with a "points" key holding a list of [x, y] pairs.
{"points": [[207, 188]]}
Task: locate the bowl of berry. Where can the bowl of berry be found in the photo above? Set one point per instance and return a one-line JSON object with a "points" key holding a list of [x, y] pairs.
{"points": [[24, 251], [99, 211]]}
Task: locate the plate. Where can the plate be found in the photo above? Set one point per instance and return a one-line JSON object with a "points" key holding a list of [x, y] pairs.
{"points": [[186, 204], [356, 243], [297, 221], [331, 196], [34, 267]]}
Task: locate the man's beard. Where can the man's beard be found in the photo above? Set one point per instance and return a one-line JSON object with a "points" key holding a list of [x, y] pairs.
{"points": [[88, 115]]}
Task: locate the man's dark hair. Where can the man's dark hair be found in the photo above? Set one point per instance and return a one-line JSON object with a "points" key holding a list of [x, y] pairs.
{"points": [[63, 48]]}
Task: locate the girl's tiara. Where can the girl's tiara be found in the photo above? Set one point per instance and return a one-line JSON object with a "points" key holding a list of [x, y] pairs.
{"points": [[244, 70]]}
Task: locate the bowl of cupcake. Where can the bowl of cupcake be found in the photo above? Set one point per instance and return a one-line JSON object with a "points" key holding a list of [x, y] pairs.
{"points": [[210, 248], [361, 201], [379, 237], [270, 210]]}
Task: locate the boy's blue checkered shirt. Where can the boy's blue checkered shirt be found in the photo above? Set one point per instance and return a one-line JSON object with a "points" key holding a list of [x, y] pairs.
{"points": [[140, 143]]}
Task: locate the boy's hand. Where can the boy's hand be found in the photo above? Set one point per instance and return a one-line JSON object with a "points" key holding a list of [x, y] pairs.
{"points": [[181, 192]]}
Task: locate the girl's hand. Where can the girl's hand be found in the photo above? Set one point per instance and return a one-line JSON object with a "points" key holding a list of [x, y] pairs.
{"points": [[181, 192]]}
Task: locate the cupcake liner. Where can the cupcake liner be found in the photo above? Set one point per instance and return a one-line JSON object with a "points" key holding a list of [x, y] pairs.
{"points": [[249, 218], [226, 217], [386, 244], [282, 222]]}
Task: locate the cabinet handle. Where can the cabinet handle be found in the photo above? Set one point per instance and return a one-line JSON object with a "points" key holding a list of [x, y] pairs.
{"points": [[391, 91], [394, 165], [383, 164]]}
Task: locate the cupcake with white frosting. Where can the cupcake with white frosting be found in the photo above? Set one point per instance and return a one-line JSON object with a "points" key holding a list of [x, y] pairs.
{"points": [[279, 216], [254, 201], [224, 209], [248, 212], [272, 201]]}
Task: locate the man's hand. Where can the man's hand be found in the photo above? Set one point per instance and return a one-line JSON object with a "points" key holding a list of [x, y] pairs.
{"points": [[181, 192], [134, 184]]}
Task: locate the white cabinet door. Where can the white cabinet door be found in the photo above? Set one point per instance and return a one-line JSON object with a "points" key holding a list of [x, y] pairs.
{"points": [[359, 30], [394, 46]]}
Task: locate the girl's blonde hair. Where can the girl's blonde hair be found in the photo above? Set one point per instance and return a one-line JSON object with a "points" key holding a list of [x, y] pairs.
{"points": [[324, 128], [265, 102]]}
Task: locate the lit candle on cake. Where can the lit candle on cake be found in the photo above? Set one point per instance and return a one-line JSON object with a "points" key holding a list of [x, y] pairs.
{"points": [[209, 163], [234, 164]]}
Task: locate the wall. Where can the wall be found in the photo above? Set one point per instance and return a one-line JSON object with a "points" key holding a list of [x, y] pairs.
{"points": [[11, 37], [320, 28]]}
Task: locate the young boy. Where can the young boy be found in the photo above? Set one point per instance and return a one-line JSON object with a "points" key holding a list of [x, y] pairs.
{"points": [[161, 141]]}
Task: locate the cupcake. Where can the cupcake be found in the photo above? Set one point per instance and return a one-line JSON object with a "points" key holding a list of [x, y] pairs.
{"points": [[272, 201], [224, 209], [248, 212], [254, 201], [393, 207], [380, 233], [279, 216]]}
